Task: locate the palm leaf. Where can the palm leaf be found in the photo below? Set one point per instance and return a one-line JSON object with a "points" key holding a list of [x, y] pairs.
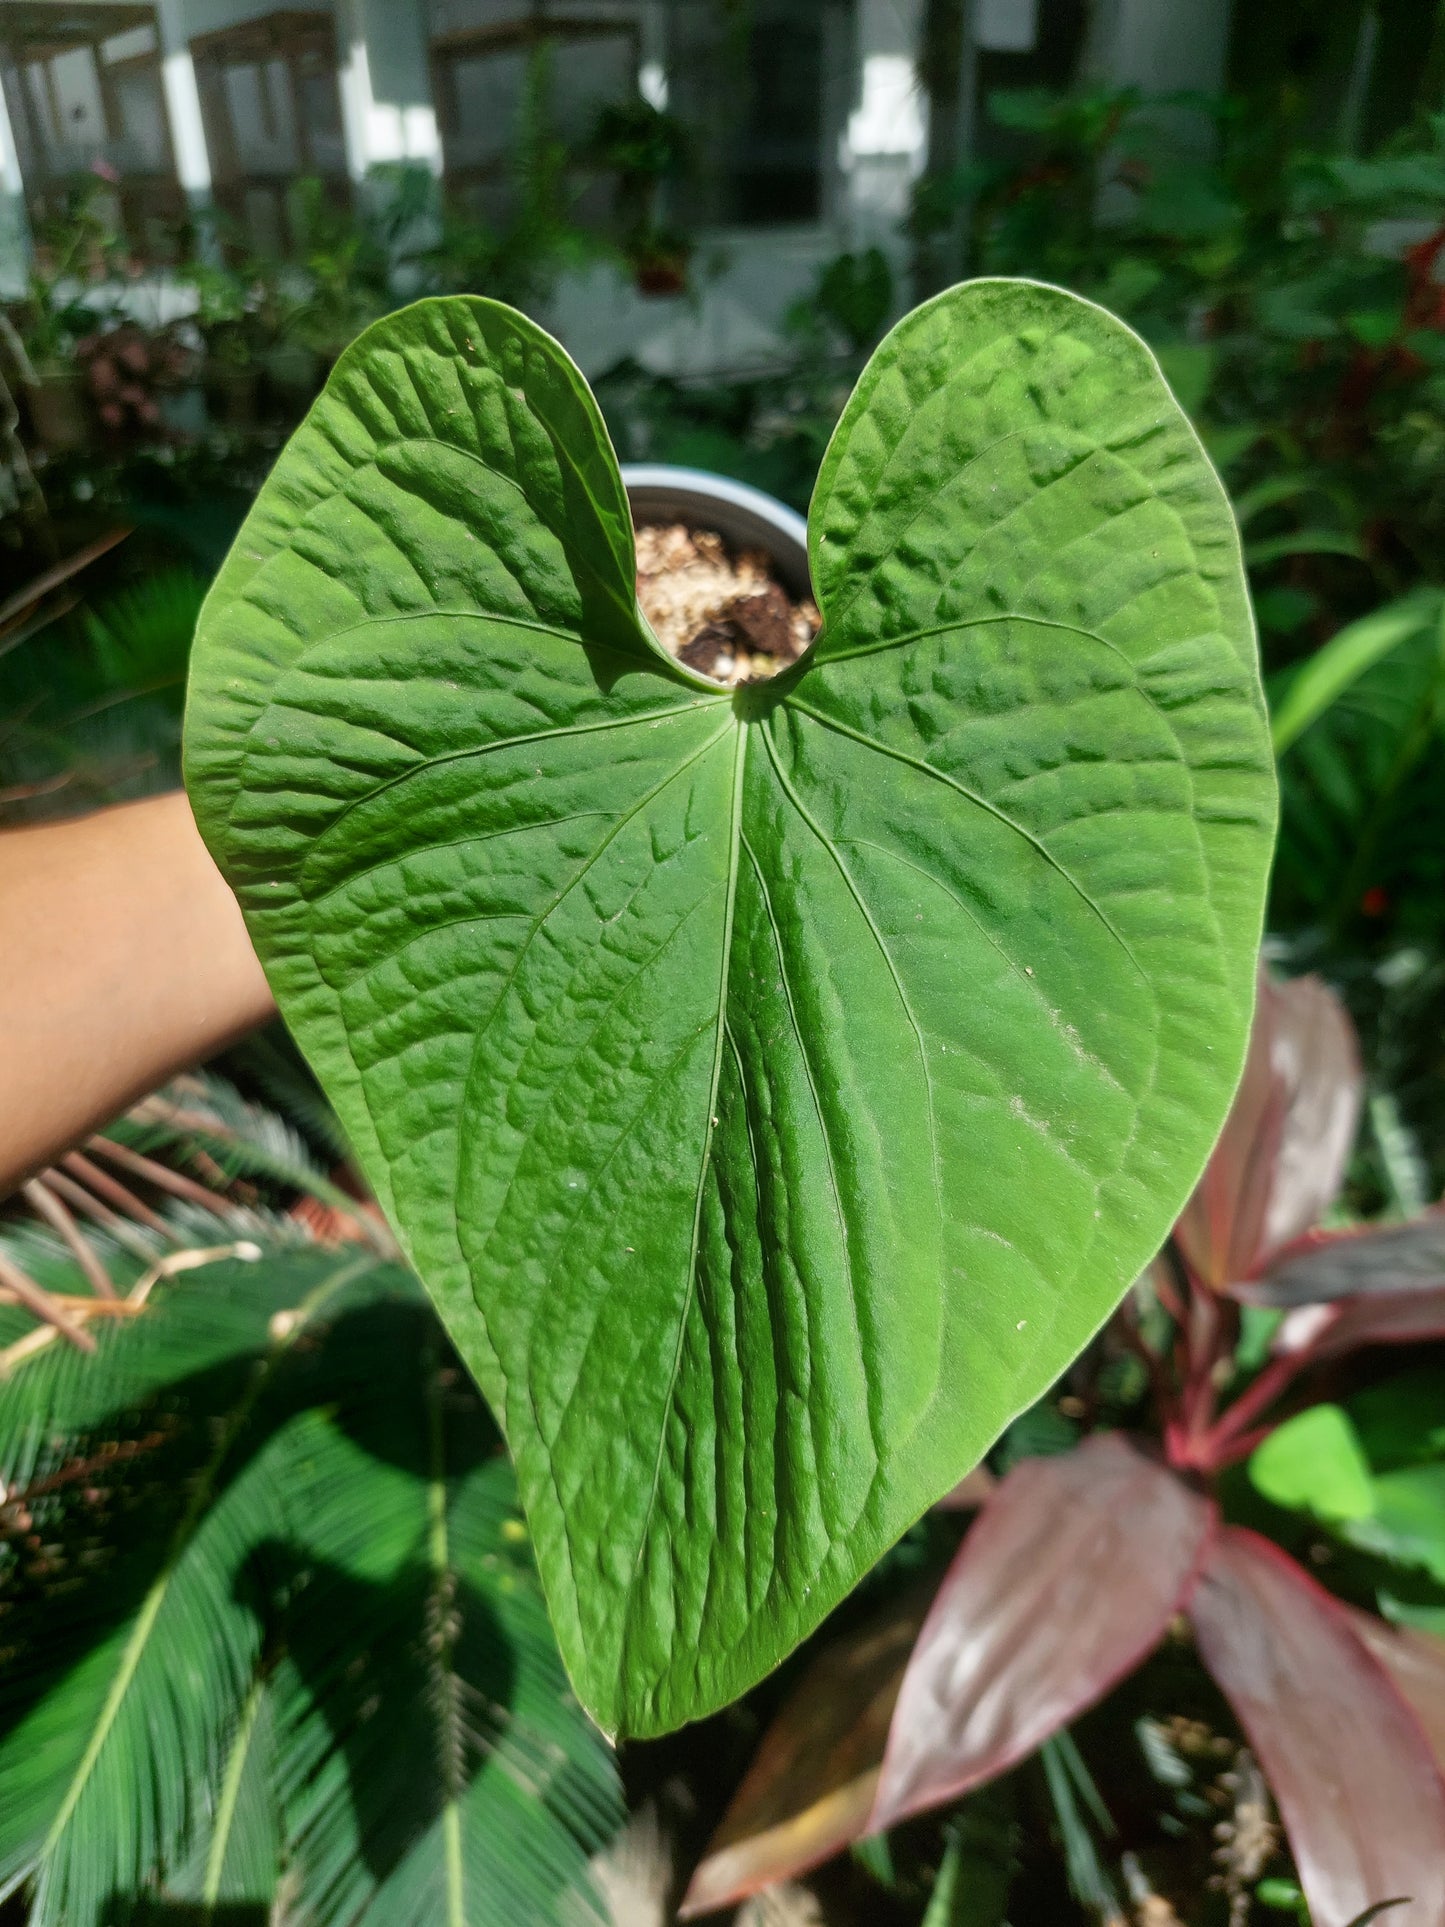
{"points": [[300, 1629], [285, 1079], [200, 1352], [244, 1139], [115, 1709], [433, 1763], [1362, 805]]}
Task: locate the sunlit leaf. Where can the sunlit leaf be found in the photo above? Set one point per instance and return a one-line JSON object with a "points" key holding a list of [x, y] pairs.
{"points": [[1358, 1789], [1070, 1576], [774, 1090], [1314, 1461], [1281, 1157], [299, 1659]]}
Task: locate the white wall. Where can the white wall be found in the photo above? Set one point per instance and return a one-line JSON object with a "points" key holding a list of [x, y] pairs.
{"points": [[386, 98], [14, 228], [882, 149], [1159, 45]]}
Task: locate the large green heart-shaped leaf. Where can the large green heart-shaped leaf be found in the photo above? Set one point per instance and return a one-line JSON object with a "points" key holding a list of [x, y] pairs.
{"points": [[773, 1090]]}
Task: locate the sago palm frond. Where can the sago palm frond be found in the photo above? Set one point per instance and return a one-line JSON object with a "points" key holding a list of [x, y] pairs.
{"points": [[433, 1764], [269, 1060], [271, 1646], [128, 1660], [202, 1112]]}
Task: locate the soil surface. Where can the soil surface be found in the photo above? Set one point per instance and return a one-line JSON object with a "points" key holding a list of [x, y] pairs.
{"points": [[723, 614]]}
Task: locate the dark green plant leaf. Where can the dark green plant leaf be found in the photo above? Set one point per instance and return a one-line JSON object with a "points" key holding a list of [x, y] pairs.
{"points": [[1407, 1523], [1330, 671], [774, 1091], [979, 1862], [1401, 1421], [1064, 1770], [1362, 804]]}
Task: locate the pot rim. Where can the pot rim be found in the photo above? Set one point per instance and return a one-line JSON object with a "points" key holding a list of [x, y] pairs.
{"points": [[741, 514]]}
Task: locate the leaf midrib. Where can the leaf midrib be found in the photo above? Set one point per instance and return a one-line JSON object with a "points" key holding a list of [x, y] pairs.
{"points": [[539, 921], [887, 956], [740, 756], [230, 1796]]}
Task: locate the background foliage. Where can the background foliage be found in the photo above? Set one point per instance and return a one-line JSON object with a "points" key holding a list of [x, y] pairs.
{"points": [[1251, 246]]}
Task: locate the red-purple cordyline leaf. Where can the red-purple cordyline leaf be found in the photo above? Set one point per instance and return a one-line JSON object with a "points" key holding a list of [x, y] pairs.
{"points": [[1332, 1265], [808, 1793], [1416, 1663], [1358, 1788], [1281, 1156], [1069, 1578], [1394, 1318]]}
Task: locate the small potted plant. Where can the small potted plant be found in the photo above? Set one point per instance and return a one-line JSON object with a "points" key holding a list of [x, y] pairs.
{"points": [[227, 321], [74, 255], [55, 389]]}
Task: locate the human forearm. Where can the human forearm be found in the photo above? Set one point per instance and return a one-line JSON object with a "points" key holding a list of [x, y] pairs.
{"points": [[123, 958]]}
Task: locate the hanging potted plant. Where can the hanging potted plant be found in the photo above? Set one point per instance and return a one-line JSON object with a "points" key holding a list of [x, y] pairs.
{"points": [[645, 148]]}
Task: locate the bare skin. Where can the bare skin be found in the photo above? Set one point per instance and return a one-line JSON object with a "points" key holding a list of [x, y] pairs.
{"points": [[123, 959]]}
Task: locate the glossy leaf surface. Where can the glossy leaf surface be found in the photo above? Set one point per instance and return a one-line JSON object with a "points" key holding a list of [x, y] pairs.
{"points": [[775, 1090], [1375, 1261], [1281, 1156], [1357, 1786], [1416, 1663], [1378, 1318], [1069, 1578]]}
